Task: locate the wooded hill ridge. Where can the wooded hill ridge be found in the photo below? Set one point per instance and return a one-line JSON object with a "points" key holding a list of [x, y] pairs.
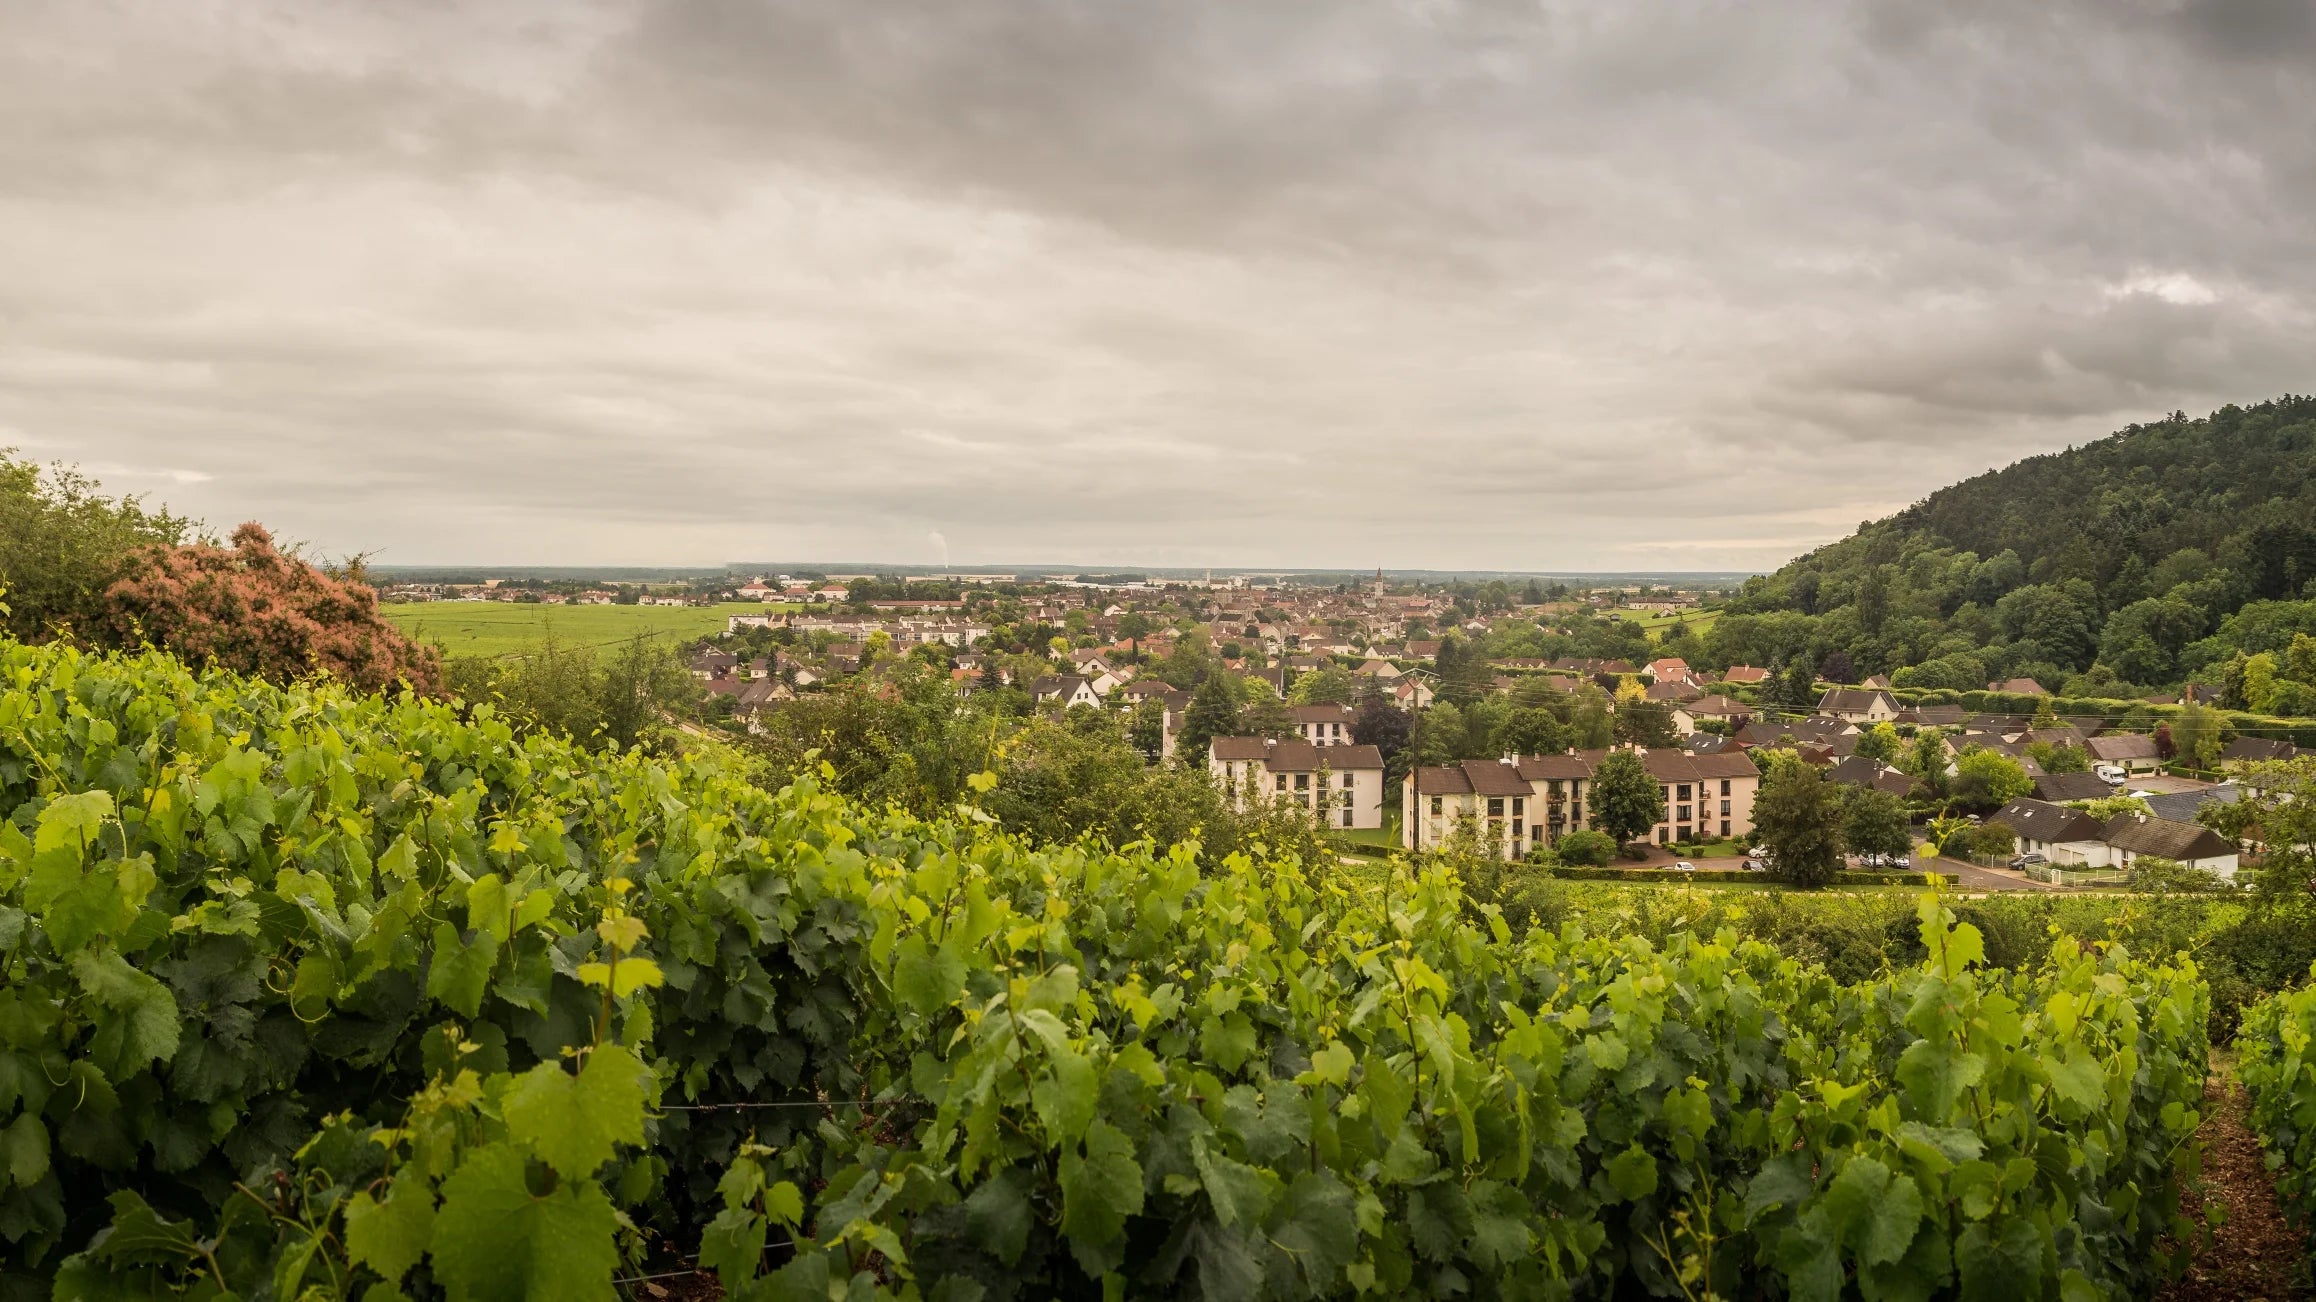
{"points": [[2174, 551]]}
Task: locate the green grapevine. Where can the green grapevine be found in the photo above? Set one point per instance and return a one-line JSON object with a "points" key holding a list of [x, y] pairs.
{"points": [[312, 993], [2276, 1064]]}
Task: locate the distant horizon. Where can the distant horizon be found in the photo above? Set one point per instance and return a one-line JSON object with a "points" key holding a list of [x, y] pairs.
{"points": [[1051, 568]]}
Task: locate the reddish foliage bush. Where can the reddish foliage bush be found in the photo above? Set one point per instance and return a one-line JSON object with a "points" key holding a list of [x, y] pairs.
{"points": [[250, 608]]}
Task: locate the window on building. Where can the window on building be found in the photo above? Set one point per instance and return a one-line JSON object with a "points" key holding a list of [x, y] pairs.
{"points": [[1435, 805], [1724, 786], [1519, 804], [1346, 782], [1724, 827], [1518, 829], [1724, 809], [1346, 818], [1683, 813], [1684, 791], [1302, 782], [1495, 806], [1282, 782]]}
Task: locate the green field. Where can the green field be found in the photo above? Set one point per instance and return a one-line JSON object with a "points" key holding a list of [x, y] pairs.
{"points": [[1697, 620], [489, 628]]}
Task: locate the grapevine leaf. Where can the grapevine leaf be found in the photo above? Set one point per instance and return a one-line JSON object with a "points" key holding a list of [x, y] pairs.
{"points": [[1102, 1188], [391, 1236], [143, 1022], [1633, 1173], [2001, 1258], [72, 822], [575, 1123], [2077, 1079], [1848, 1203], [289, 1270], [1924, 1273], [624, 933], [1064, 1098], [400, 859], [24, 1150], [1890, 1230], [1810, 1259], [487, 907], [460, 972], [1935, 1073], [784, 1202], [1386, 1094], [140, 1236], [742, 1182], [1227, 1265], [1333, 1063], [1227, 1040], [1781, 1182], [1241, 1194], [633, 974], [927, 980], [495, 1240], [1939, 1147], [997, 1214], [1500, 1234], [733, 1246], [82, 906]]}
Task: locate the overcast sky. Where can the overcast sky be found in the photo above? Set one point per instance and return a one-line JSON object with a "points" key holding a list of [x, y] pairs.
{"points": [[1243, 282]]}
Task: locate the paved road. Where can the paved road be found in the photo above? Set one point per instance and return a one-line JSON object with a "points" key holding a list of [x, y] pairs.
{"points": [[1971, 877]]}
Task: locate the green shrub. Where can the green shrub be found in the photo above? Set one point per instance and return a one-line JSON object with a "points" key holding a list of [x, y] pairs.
{"points": [[1586, 848]]}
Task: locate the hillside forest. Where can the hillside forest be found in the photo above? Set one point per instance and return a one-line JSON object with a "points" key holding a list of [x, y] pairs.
{"points": [[2181, 551]]}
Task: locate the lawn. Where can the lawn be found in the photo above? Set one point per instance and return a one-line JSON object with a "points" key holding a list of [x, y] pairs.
{"points": [[489, 628], [1381, 838]]}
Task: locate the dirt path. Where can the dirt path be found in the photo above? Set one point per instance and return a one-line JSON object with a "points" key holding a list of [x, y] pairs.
{"points": [[2255, 1256]]}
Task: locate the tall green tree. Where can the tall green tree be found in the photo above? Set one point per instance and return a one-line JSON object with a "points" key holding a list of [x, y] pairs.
{"points": [[1986, 780], [1591, 725], [1265, 716], [1384, 726], [1213, 712], [1626, 800], [2195, 735], [1796, 685], [1881, 742], [1333, 685], [1927, 760], [1875, 822], [1645, 723], [1146, 726], [1529, 732], [1798, 823]]}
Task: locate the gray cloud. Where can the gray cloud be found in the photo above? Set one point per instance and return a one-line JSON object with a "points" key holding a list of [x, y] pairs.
{"points": [[1430, 283]]}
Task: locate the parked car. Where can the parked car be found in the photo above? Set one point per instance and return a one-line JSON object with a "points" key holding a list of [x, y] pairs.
{"points": [[1684, 866], [1900, 861], [2111, 774], [2029, 861], [1753, 864]]}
